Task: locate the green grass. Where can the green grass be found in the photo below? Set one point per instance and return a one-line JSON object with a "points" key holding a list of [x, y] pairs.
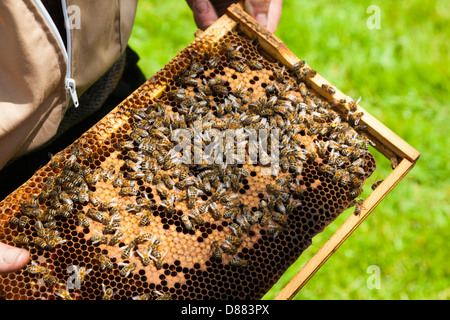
{"points": [[401, 73]]}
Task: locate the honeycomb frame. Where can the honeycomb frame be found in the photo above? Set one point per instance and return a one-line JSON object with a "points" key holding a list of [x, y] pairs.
{"points": [[188, 272]]}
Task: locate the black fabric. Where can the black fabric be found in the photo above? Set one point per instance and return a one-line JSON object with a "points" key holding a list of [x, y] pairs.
{"points": [[18, 171], [54, 9]]}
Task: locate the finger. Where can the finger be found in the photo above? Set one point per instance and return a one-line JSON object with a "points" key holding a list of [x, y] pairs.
{"points": [[259, 9], [12, 259], [204, 13], [274, 15]]}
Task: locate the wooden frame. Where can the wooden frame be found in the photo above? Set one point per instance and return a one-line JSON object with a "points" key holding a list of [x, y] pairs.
{"points": [[386, 142]]}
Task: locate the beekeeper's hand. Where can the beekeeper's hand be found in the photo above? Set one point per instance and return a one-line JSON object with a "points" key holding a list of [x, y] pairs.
{"points": [[12, 259], [266, 12]]}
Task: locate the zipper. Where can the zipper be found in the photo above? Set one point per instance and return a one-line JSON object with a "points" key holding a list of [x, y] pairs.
{"points": [[67, 52]]}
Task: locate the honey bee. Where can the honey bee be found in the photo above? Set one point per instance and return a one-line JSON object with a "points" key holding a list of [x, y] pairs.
{"points": [[254, 64], [108, 293], [49, 280], [284, 164], [189, 81], [231, 50], [204, 207], [233, 203], [358, 206], [187, 222], [394, 162], [296, 68], [104, 261], [161, 296], [211, 62], [311, 151], [116, 238], [145, 218], [236, 229], [354, 118], [344, 179], [83, 195], [237, 262], [228, 247], [65, 198], [354, 180], [196, 217], [143, 237], [21, 239], [280, 218], [158, 261], [168, 181], [134, 166], [162, 191], [279, 74], [217, 252], [328, 88], [275, 189], [322, 148], [231, 213], [127, 250], [356, 169], [64, 294], [32, 202], [355, 192], [376, 184], [94, 176], [128, 191], [127, 268], [83, 220], [221, 90], [23, 221], [145, 296], [100, 239], [216, 214], [168, 204], [243, 224], [14, 220], [267, 214], [275, 230], [54, 241], [337, 176], [235, 241], [41, 243], [237, 65], [34, 268], [94, 214], [144, 256], [80, 274]]}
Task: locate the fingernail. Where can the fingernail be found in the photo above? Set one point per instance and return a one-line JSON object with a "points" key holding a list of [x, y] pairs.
{"points": [[10, 255], [262, 19], [202, 7]]}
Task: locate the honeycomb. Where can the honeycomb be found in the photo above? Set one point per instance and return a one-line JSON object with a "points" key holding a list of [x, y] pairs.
{"points": [[117, 215]]}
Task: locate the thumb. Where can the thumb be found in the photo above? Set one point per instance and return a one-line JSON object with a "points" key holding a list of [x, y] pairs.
{"points": [[12, 258], [259, 9]]}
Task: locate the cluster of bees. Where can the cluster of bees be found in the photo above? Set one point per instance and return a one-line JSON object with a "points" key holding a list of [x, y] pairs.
{"points": [[287, 104], [310, 130]]}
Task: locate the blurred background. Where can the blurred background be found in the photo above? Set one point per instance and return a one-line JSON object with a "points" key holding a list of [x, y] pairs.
{"points": [[401, 71]]}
